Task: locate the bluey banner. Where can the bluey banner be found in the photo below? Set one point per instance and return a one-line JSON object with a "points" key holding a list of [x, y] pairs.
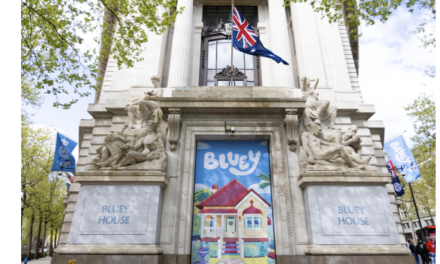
{"points": [[402, 157], [233, 219], [63, 159]]}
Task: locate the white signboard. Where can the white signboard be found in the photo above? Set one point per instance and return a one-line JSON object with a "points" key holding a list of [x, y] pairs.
{"points": [[115, 214], [352, 215]]}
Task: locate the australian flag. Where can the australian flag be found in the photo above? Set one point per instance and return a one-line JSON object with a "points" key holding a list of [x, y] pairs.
{"points": [[245, 39], [63, 159], [395, 179]]}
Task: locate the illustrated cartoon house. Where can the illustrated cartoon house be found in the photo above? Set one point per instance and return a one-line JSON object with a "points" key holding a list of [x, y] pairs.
{"points": [[235, 218]]}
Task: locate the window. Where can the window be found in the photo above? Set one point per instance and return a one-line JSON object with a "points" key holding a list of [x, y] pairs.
{"points": [[253, 222], [404, 226], [216, 49], [249, 222], [257, 222]]}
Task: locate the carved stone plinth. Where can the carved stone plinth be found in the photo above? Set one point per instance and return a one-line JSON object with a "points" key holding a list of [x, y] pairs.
{"points": [[349, 208]]}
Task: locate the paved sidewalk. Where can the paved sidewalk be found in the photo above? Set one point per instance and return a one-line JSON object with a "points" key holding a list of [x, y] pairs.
{"points": [[45, 260]]}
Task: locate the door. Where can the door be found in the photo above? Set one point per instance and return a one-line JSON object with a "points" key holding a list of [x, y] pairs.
{"points": [[231, 227]]}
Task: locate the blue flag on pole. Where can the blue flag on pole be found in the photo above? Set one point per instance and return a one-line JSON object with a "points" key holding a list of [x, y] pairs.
{"points": [[245, 39], [63, 159], [402, 157]]}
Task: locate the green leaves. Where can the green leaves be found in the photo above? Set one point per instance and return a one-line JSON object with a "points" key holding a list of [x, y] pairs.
{"points": [[364, 10], [53, 55], [422, 113], [265, 180]]}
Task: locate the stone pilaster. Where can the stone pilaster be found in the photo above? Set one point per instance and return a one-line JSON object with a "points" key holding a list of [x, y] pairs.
{"points": [[181, 49], [280, 44]]}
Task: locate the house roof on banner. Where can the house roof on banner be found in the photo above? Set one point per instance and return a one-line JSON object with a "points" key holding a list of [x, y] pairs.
{"points": [[229, 195], [252, 210]]}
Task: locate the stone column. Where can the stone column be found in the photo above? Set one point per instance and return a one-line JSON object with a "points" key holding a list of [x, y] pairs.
{"points": [[280, 44], [181, 49]]}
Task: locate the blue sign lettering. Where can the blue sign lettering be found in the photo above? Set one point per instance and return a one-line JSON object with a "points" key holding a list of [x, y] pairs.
{"points": [[352, 220], [114, 219]]}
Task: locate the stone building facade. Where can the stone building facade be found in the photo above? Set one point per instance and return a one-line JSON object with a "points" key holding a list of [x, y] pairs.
{"points": [[275, 106]]}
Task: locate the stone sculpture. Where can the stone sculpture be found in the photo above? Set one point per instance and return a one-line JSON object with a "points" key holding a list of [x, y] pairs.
{"points": [[317, 111], [153, 148], [325, 149], [156, 81], [140, 145], [143, 109]]}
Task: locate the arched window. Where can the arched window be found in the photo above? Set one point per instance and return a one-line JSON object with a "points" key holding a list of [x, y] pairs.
{"points": [[216, 49]]}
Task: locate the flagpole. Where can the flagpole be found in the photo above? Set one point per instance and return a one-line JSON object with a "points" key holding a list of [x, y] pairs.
{"points": [[415, 205], [395, 136], [232, 46], [64, 134]]}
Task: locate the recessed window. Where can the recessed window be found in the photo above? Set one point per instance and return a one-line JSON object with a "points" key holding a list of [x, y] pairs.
{"points": [[216, 49]]}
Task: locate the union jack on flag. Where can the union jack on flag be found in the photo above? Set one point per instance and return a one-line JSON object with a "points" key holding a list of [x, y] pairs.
{"points": [[70, 176], [244, 30], [391, 168], [394, 179], [246, 40]]}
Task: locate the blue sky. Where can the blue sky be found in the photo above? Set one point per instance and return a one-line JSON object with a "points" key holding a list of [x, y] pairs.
{"points": [[391, 69]]}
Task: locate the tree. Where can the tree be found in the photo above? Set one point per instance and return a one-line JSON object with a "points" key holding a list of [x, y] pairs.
{"points": [[53, 32], [37, 147], [422, 114], [367, 11]]}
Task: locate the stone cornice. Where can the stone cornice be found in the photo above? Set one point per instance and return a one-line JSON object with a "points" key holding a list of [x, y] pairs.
{"points": [[343, 178]]}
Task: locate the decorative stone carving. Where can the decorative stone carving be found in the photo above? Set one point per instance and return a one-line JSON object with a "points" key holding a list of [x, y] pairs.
{"points": [[330, 150], [291, 122], [220, 29], [144, 109], [208, 30], [317, 111], [227, 72], [174, 127], [140, 145], [156, 81]]}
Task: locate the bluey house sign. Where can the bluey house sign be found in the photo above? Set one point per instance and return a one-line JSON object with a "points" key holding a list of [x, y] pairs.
{"points": [[116, 214], [352, 214]]}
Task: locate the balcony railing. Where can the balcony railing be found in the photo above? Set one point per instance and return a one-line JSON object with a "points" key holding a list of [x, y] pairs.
{"points": [[212, 232]]}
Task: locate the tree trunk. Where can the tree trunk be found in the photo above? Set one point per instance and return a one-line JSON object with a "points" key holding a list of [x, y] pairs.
{"points": [[51, 242], [44, 239], [22, 212], [108, 31], [37, 247], [56, 242], [29, 249]]}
